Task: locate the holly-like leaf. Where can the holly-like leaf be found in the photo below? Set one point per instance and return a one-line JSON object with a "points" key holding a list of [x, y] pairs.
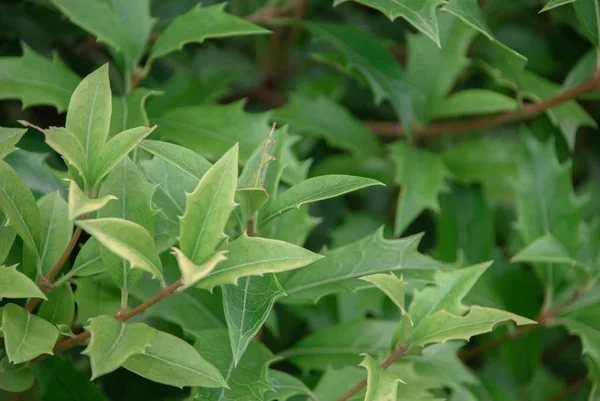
{"points": [[247, 306], [80, 204], [294, 226], [419, 13], [66, 144], [95, 296], [130, 111], [545, 249], [322, 117], [254, 256], [555, 3], [369, 56], [59, 309], [88, 261], [314, 190], [444, 326], [25, 335], [470, 12], [36, 80], [201, 23], [113, 341], [18, 205], [88, 116], [342, 344], [9, 138], [245, 381], [15, 378], [14, 284], [382, 384], [191, 272], [422, 176], [7, 238], [170, 360], [341, 268], [185, 160], [127, 240], [284, 386], [208, 208], [390, 285], [472, 102]]}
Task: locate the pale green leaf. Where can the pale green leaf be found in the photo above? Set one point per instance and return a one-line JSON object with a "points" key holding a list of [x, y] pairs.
{"points": [[80, 204], [95, 296], [341, 268], [14, 284], [390, 285], [130, 111], [342, 344], [369, 56], [9, 138], [285, 386], [116, 149], [199, 24], [545, 249], [7, 238], [250, 200], [88, 116], [25, 335], [314, 190], [208, 208], [334, 383], [65, 330], [66, 144], [382, 384], [113, 341], [470, 12], [15, 378], [555, 3], [294, 226], [59, 309], [322, 117], [191, 273], [185, 160], [473, 102], [170, 360], [443, 326], [36, 80], [127, 240], [246, 381], [422, 176], [254, 256], [134, 195], [88, 261], [18, 205], [247, 306], [419, 13]]}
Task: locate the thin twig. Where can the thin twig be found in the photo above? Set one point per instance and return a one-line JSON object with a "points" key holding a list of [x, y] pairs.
{"points": [[268, 14], [388, 129]]}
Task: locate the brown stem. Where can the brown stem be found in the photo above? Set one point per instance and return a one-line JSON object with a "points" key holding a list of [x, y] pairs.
{"points": [[569, 389], [267, 14], [387, 129], [396, 354]]}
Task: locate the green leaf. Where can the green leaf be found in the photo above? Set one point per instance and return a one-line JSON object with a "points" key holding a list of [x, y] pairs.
{"points": [[419, 13], [469, 12], [133, 203], [36, 80], [422, 176], [472, 102], [14, 284], [170, 360], [116, 149], [254, 256], [506, 66], [88, 261], [588, 14], [127, 240], [88, 117], [382, 385], [35, 171], [95, 296], [314, 190], [545, 249], [369, 56], [191, 273], [184, 159], [250, 200], [342, 344], [212, 130], [447, 294], [444, 326], [130, 111], [59, 309], [246, 381], [113, 342], [555, 3], [568, 117], [247, 306], [294, 226], [198, 24], [9, 138], [70, 148], [18, 205], [80, 204], [390, 285], [25, 335], [341, 268], [322, 117], [15, 378], [285, 386], [7, 238], [208, 208]]}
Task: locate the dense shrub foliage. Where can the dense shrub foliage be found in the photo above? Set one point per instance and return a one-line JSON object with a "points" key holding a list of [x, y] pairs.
{"points": [[269, 200]]}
